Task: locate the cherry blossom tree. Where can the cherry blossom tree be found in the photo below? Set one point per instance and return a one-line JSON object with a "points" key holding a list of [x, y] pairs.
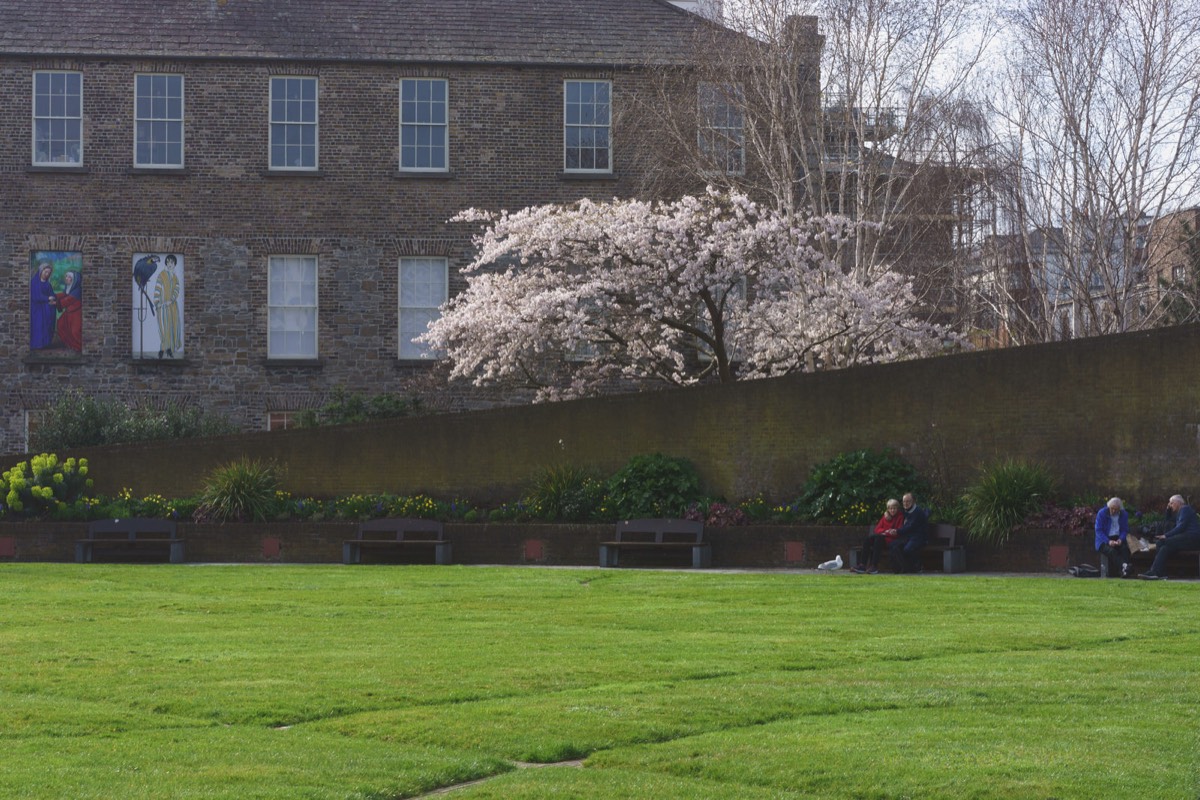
{"points": [[569, 299]]}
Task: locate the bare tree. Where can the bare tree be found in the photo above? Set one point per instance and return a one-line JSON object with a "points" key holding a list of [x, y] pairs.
{"points": [[1097, 115], [849, 107]]}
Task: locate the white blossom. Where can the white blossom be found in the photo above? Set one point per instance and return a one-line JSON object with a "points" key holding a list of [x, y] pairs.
{"points": [[568, 298]]}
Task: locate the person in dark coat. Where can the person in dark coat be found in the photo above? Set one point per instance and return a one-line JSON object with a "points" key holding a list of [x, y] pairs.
{"points": [[905, 549], [1185, 535]]}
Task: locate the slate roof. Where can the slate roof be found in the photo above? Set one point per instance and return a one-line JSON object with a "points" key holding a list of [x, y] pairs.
{"points": [[582, 32]]}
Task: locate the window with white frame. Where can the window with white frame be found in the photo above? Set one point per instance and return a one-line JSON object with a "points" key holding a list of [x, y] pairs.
{"points": [[158, 121], [34, 418], [58, 118], [423, 290], [294, 123], [722, 130], [282, 420], [587, 119], [423, 125], [292, 307]]}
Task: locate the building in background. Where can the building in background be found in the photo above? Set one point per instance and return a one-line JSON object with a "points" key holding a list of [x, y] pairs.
{"points": [[244, 205]]}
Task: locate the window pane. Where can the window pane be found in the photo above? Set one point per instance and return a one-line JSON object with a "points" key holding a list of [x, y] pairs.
{"points": [[423, 130]]}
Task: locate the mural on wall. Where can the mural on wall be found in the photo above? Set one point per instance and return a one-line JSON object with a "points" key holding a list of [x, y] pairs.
{"points": [[157, 305], [56, 301]]}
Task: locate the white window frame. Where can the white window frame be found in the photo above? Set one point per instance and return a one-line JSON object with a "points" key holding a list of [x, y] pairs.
{"points": [[286, 296], [50, 118], [721, 132], [283, 420], [160, 116], [406, 349], [439, 131], [288, 126], [580, 118]]}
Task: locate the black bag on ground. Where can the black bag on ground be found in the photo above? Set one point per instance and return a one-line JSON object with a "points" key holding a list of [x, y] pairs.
{"points": [[1084, 571]]}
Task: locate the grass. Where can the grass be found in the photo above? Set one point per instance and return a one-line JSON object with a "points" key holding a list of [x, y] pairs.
{"points": [[388, 682]]}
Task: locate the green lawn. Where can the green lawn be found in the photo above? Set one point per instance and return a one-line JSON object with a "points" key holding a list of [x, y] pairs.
{"points": [[125, 682]]}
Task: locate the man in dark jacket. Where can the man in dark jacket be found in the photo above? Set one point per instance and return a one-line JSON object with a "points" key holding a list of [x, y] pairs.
{"points": [[905, 549], [1185, 535]]}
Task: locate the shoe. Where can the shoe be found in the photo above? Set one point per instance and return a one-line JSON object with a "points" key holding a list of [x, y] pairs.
{"points": [[1150, 576], [873, 571], [1125, 570], [859, 570]]}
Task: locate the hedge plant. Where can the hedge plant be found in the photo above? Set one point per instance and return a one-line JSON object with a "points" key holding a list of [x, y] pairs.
{"points": [[852, 488]]}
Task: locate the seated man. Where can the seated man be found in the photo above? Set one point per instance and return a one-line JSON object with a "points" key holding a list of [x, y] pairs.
{"points": [[1112, 533], [1184, 535], [905, 549]]}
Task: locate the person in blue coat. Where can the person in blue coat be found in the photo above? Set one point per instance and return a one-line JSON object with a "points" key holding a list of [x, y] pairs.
{"points": [[42, 312], [1112, 533], [1185, 535], [905, 550]]}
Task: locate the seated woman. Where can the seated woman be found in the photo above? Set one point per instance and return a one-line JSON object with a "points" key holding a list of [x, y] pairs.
{"points": [[879, 538], [1112, 530]]}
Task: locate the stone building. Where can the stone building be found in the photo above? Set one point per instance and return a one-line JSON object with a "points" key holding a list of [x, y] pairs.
{"points": [[244, 204]]}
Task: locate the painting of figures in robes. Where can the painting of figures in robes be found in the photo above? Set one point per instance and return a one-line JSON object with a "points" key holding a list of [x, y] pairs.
{"points": [[157, 305], [56, 302]]}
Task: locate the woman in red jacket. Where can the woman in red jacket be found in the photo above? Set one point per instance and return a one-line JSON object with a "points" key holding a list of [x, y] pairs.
{"points": [[878, 539]]}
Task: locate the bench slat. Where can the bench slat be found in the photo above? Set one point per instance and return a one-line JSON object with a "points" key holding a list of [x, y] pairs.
{"points": [[657, 534]]}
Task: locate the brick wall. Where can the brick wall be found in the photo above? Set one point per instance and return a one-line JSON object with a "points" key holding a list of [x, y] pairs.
{"points": [[1111, 415], [226, 214]]}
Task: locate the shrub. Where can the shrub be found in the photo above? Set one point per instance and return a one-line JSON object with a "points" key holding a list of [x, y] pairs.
{"points": [[852, 488], [1075, 520], [80, 420], [1007, 493], [565, 493], [241, 490], [43, 485], [344, 409], [716, 514], [653, 486]]}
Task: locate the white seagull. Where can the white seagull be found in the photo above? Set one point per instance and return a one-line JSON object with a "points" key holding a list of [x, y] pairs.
{"points": [[832, 565]]}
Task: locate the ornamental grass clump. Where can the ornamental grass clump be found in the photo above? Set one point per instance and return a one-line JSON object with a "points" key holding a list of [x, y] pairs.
{"points": [[565, 493], [239, 491], [1007, 493]]}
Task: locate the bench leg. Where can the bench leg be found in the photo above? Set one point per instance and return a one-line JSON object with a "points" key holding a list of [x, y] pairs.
{"points": [[1103, 566], [83, 552], [441, 553], [954, 560], [351, 553], [702, 556], [176, 552], [608, 556]]}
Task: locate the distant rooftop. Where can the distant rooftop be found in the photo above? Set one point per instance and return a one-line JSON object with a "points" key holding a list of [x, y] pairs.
{"points": [[582, 32]]}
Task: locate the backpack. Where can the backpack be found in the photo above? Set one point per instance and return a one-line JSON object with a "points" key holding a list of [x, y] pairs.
{"points": [[1084, 571]]}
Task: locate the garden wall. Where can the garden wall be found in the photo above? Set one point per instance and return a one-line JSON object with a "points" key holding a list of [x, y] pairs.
{"points": [[744, 547], [1114, 415]]}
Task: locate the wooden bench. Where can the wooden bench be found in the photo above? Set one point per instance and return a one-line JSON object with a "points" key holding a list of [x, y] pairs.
{"points": [[1145, 557], [129, 534], [658, 534], [398, 532], [942, 539]]}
